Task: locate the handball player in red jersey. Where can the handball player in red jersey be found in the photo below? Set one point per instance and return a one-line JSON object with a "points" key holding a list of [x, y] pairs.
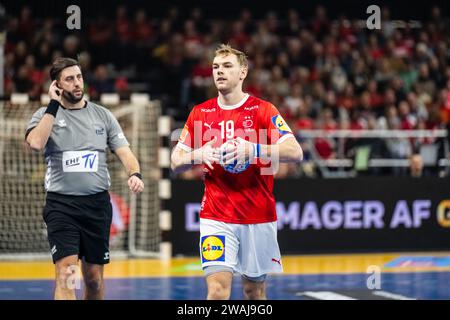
{"points": [[239, 139]]}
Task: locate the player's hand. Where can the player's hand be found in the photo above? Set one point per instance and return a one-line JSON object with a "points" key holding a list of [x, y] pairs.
{"points": [[228, 153], [243, 153], [54, 92], [207, 154], [135, 184]]}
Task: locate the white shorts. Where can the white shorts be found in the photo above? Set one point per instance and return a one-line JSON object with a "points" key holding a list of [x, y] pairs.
{"points": [[249, 249]]}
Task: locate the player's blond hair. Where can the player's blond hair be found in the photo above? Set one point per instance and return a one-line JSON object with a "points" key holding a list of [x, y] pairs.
{"points": [[225, 49]]}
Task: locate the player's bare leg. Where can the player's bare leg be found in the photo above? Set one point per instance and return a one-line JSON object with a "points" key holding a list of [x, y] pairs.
{"points": [[65, 269], [93, 281], [219, 285], [254, 290]]}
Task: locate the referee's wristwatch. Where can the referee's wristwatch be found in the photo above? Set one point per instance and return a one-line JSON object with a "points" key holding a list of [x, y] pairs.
{"points": [[137, 174]]}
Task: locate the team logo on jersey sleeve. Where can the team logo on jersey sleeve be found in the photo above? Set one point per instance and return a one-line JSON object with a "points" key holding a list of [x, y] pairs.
{"points": [[213, 248], [280, 124]]}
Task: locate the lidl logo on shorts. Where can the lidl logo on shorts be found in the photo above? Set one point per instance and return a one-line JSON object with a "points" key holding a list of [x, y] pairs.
{"points": [[280, 124], [213, 248]]}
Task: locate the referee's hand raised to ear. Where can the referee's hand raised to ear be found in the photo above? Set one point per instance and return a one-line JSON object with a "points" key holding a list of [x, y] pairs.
{"points": [[54, 92]]}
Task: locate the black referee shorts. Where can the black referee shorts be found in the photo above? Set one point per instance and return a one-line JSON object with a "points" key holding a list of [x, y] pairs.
{"points": [[79, 225]]}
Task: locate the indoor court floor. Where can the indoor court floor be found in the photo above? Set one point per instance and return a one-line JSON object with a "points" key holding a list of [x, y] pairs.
{"points": [[390, 276]]}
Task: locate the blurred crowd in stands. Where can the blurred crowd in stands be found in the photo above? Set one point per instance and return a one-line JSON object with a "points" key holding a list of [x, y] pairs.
{"points": [[321, 72]]}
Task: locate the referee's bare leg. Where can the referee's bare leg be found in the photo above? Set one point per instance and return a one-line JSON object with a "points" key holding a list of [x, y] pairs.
{"points": [[93, 281], [65, 271]]}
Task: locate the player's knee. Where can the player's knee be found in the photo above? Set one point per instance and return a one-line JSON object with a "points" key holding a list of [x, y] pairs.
{"points": [[254, 292], [218, 291], [93, 284], [66, 276]]}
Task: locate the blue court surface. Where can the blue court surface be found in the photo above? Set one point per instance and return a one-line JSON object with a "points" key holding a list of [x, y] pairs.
{"points": [[394, 286]]}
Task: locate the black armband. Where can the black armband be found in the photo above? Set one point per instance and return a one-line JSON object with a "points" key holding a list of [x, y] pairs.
{"points": [[137, 174], [52, 107]]}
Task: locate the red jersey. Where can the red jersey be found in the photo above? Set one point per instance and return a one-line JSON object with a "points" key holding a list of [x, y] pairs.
{"points": [[245, 197]]}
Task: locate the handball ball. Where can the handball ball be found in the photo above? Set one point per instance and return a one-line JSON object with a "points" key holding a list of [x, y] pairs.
{"points": [[233, 167]]}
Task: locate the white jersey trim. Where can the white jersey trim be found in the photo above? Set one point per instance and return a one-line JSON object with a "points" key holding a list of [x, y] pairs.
{"points": [[234, 106]]}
